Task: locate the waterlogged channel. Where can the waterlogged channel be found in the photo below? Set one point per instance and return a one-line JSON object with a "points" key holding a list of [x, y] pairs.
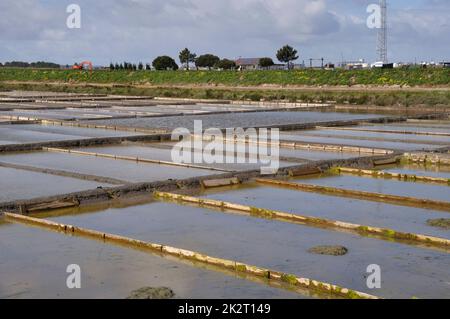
{"points": [[33, 264], [236, 120], [301, 137], [404, 219], [18, 184], [127, 171], [383, 186], [407, 271], [420, 170], [31, 133], [404, 138], [154, 151], [230, 162]]}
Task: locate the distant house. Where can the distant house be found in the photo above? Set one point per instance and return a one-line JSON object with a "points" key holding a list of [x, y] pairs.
{"points": [[248, 63]]}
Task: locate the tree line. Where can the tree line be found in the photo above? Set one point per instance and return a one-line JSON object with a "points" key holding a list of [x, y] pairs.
{"points": [[39, 64], [286, 54]]}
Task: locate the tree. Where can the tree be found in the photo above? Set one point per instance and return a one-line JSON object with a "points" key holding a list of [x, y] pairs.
{"points": [[207, 61], [226, 64], [165, 63], [140, 66], [266, 62], [147, 66], [187, 57], [111, 66], [287, 54]]}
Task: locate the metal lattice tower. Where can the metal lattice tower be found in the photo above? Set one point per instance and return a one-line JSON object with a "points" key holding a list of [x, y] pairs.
{"points": [[382, 34]]}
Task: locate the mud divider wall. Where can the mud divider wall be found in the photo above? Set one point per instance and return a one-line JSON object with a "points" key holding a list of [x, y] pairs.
{"points": [[363, 230], [389, 175], [238, 267], [393, 199]]}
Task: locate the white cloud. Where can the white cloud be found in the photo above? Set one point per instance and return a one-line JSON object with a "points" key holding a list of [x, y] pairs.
{"points": [[113, 30]]}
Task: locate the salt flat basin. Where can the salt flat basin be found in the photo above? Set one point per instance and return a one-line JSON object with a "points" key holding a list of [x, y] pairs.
{"points": [[406, 138], [410, 127], [51, 114], [233, 120], [34, 263], [421, 170], [399, 218], [299, 136], [408, 271], [30, 133], [18, 184], [162, 154], [384, 186], [119, 169], [150, 151]]}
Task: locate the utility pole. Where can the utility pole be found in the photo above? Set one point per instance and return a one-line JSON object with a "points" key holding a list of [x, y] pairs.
{"points": [[382, 34]]}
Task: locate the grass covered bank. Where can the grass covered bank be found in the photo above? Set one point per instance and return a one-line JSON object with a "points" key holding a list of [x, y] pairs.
{"points": [[309, 77]]}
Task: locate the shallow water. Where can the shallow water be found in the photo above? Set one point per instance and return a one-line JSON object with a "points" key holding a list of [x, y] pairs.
{"points": [[406, 219], [385, 136], [52, 114], [421, 170], [30, 133], [406, 271], [411, 127], [384, 186], [148, 152], [299, 136], [236, 120], [19, 184], [34, 263], [311, 155], [120, 169]]}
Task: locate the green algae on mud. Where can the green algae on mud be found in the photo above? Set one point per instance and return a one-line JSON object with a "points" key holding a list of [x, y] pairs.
{"points": [[152, 293], [440, 223], [329, 250]]}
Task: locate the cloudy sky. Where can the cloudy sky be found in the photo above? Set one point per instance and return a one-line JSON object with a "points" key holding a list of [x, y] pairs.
{"points": [[139, 30]]}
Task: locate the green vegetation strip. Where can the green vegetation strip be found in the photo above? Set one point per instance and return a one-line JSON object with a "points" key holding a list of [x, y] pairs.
{"points": [[340, 192], [133, 159], [308, 220], [309, 77], [383, 174], [238, 267]]}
